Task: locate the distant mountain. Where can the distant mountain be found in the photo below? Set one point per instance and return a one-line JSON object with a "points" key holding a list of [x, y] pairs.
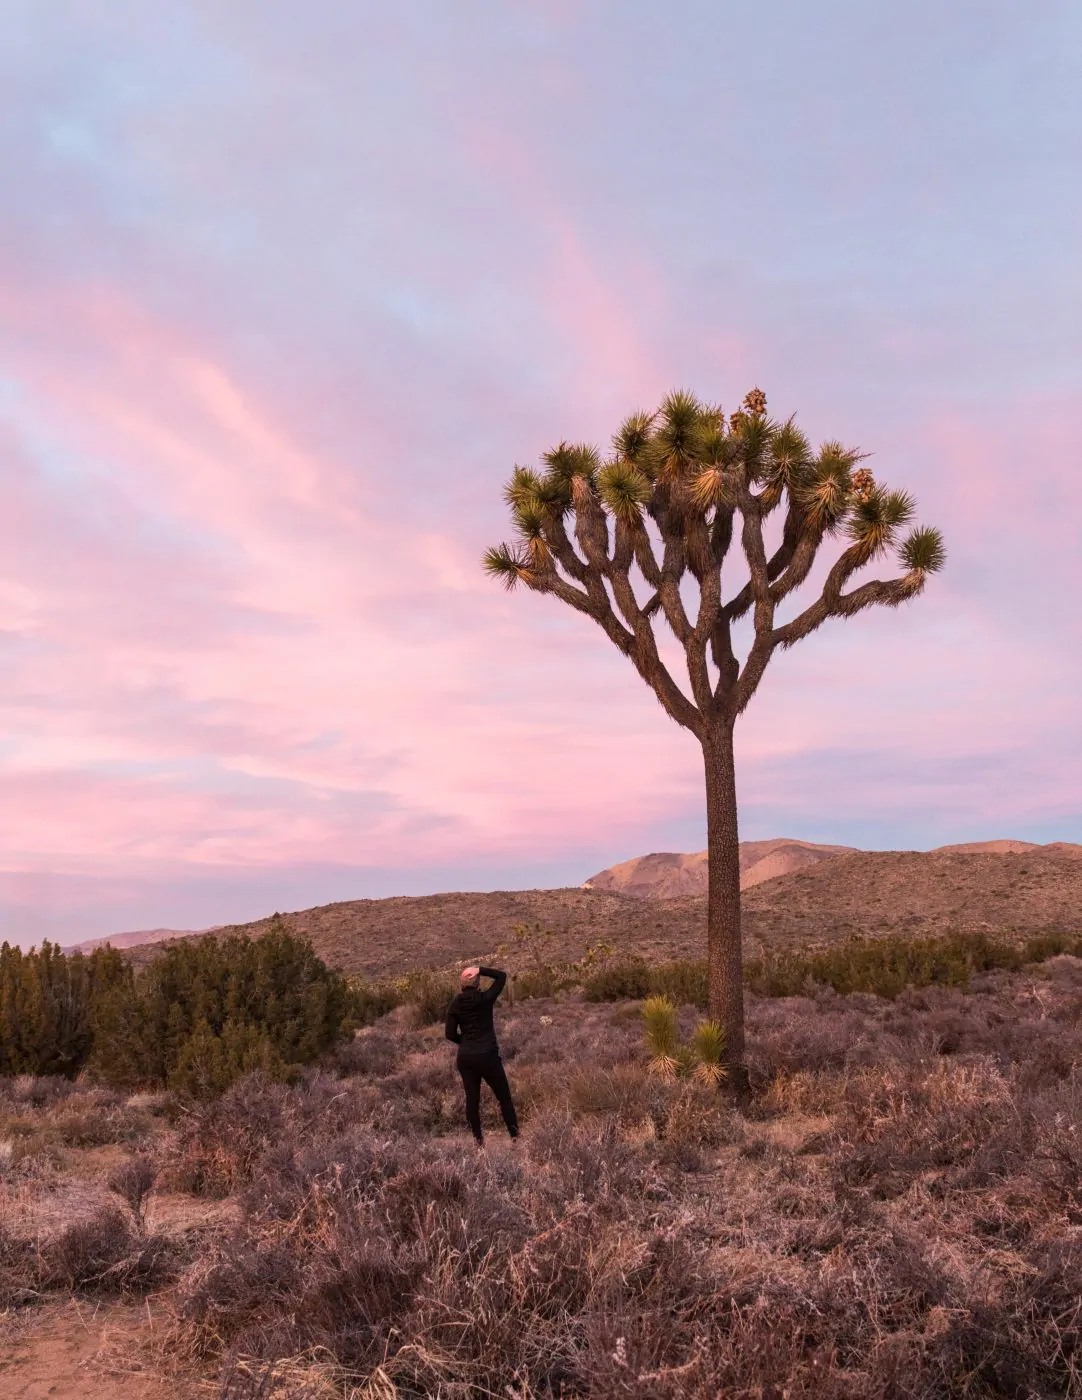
{"points": [[828, 892], [873, 893], [1011, 847], [667, 875], [136, 939], [671, 875]]}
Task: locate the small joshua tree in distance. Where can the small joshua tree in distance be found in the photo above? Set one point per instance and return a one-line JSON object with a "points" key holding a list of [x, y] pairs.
{"points": [[643, 537]]}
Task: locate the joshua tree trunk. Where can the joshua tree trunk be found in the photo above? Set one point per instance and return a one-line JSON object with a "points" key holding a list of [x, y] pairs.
{"points": [[724, 958]]}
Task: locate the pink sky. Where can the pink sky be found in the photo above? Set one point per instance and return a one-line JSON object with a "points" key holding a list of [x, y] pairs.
{"points": [[281, 304]]}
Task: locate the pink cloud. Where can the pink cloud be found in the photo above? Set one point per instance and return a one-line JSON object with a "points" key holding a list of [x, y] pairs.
{"points": [[170, 435]]}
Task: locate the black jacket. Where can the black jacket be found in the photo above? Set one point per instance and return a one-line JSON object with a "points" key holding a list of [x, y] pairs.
{"points": [[469, 1017]]}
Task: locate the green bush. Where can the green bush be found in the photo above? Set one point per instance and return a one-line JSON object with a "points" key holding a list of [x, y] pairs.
{"points": [[429, 993], [1043, 946], [619, 981], [48, 1004], [682, 981], [209, 1010], [371, 1000], [882, 966], [540, 982]]}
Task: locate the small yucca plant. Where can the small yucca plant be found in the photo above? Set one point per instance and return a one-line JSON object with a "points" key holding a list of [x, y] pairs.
{"points": [[662, 1041], [708, 1049]]}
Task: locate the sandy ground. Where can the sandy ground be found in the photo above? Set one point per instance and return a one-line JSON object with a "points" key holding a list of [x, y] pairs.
{"points": [[77, 1351]]}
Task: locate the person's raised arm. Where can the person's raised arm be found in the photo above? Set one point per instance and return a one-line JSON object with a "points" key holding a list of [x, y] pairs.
{"points": [[498, 981]]}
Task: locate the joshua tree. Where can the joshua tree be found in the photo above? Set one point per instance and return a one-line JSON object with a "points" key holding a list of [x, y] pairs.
{"points": [[647, 535]]}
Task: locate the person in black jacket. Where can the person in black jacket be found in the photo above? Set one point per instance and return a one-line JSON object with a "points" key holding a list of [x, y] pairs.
{"points": [[469, 1026]]}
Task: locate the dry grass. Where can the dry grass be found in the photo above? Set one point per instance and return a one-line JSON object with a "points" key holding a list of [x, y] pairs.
{"points": [[899, 1214]]}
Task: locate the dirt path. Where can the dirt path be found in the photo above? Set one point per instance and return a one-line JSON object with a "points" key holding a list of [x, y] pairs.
{"points": [[76, 1351]]}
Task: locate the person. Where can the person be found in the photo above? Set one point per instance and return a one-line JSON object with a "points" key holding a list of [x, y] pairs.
{"points": [[470, 1027]]}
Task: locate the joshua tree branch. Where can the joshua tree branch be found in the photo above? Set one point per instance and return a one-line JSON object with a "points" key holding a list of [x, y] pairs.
{"points": [[648, 661], [751, 674], [591, 525], [888, 593], [639, 644], [781, 559], [702, 634], [755, 552], [721, 533], [646, 559], [799, 565], [557, 538], [672, 570], [721, 646]]}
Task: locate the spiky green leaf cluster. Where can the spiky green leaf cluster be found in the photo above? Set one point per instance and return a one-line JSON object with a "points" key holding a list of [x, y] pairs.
{"points": [[571, 460], [826, 494], [504, 563], [701, 1058], [633, 438], [624, 489], [876, 517], [708, 1051], [662, 1037], [688, 470], [924, 551]]}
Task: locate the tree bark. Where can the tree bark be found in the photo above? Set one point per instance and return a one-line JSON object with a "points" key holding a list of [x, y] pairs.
{"points": [[725, 979]]}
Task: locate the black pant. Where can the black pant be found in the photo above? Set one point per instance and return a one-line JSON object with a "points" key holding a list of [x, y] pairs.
{"points": [[488, 1067]]}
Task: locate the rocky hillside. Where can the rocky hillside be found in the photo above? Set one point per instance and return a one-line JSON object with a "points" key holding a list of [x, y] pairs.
{"points": [[878, 893], [668, 875], [135, 939]]}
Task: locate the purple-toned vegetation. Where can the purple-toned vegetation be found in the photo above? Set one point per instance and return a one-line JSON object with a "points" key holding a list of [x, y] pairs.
{"points": [[899, 1213]]}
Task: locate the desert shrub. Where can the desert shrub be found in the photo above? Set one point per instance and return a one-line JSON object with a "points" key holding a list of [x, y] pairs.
{"points": [[104, 1253], [243, 1379], [18, 1268], [91, 1124], [208, 1061], [33, 1148], [683, 981], [35, 1090], [1042, 947], [622, 1090], [220, 1143], [133, 1182], [208, 1011], [619, 981], [370, 1001], [900, 1124], [536, 983], [48, 1007], [370, 1053], [429, 994], [883, 966], [205, 1012], [152, 1103]]}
